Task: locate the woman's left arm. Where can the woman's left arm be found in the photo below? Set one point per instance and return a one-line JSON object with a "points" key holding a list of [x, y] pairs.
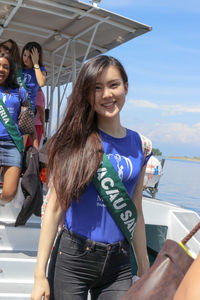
{"points": [[40, 75], [139, 236]]}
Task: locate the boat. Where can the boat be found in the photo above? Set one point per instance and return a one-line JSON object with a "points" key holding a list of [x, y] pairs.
{"points": [[18, 245], [71, 32]]}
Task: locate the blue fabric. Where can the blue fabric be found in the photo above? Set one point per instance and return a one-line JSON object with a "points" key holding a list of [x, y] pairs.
{"points": [[11, 100], [9, 154], [90, 217], [31, 83]]}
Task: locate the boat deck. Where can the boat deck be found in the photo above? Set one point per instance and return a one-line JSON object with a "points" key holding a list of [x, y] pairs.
{"points": [[18, 245]]}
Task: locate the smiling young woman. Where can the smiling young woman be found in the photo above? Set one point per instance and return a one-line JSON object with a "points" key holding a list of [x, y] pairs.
{"points": [[92, 252], [11, 144]]}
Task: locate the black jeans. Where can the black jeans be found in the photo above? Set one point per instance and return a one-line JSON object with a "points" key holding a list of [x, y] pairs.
{"points": [[82, 265]]}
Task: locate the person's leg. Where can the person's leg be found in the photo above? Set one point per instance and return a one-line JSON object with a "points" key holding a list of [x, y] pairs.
{"points": [[33, 137], [10, 184], [39, 131], [116, 277], [51, 266], [25, 140], [33, 140], [77, 268], [112, 291], [28, 142]]}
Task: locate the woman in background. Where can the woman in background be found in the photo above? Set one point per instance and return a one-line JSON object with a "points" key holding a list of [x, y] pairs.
{"points": [[4, 49], [10, 154], [34, 75], [13, 51], [39, 118]]}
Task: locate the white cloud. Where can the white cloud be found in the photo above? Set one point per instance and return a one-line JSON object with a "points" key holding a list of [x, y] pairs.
{"points": [[179, 109], [175, 133], [171, 109], [143, 104]]}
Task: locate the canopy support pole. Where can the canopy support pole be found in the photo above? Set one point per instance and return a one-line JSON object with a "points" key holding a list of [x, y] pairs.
{"points": [[73, 47]]}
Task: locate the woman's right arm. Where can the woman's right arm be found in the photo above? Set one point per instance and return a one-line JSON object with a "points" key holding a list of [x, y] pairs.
{"points": [[189, 287], [49, 229]]}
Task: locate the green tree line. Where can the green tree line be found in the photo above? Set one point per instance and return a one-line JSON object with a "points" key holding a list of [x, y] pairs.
{"points": [[156, 152]]}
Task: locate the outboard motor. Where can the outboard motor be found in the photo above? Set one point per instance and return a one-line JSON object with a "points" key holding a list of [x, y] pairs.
{"points": [[153, 172]]}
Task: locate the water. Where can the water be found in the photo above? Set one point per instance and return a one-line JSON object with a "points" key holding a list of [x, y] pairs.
{"points": [[180, 184]]}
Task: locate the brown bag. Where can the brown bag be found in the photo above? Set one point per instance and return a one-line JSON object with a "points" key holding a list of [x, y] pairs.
{"points": [[26, 118], [163, 278]]}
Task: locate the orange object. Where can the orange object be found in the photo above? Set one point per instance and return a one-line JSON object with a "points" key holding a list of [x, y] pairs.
{"points": [[43, 175]]}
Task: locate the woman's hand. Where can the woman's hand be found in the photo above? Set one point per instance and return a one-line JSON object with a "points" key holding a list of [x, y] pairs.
{"points": [[35, 56], [40, 289]]}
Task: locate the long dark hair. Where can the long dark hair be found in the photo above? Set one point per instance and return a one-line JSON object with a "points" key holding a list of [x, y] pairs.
{"points": [[29, 46], [75, 150], [14, 51], [11, 81]]}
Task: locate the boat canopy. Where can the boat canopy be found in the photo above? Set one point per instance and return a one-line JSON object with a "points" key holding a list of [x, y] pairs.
{"points": [[69, 31]]}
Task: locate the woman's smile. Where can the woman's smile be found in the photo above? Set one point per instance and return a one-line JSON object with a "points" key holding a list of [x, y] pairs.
{"points": [[4, 70], [108, 104]]}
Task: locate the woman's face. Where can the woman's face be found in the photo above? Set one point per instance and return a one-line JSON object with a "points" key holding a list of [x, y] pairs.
{"points": [[9, 45], [110, 93], [4, 70], [27, 59], [4, 50]]}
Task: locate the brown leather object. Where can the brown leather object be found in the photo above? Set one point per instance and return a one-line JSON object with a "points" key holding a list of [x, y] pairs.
{"points": [[163, 278]]}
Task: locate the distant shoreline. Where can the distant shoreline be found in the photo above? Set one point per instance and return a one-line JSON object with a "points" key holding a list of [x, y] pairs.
{"points": [[183, 158]]}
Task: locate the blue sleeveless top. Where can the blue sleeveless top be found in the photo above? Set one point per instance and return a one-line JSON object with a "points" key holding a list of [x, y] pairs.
{"points": [[31, 83], [12, 102], [90, 217]]}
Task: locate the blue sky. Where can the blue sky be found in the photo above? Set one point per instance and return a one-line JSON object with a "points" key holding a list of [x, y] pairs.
{"points": [[163, 67]]}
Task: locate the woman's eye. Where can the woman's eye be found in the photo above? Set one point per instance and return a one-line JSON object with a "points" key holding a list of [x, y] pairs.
{"points": [[114, 84], [98, 87]]}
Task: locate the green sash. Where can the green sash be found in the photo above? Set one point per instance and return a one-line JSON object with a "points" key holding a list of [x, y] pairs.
{"points": [[10, 126], [19, 74], [116, 198]]}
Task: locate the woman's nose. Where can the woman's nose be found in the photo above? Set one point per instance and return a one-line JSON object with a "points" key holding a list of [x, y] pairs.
{"points": [[106, 93]]}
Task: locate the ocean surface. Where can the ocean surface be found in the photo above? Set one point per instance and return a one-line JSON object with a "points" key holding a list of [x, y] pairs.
{"points": [[180, 183]]}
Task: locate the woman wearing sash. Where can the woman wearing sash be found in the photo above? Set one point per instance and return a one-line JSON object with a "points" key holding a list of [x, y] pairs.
{"points": [[91, 147], [33, 74], [11, 143]]}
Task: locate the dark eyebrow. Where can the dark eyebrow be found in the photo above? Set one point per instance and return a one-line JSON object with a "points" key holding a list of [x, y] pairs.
{"points": [[110, 81]]}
